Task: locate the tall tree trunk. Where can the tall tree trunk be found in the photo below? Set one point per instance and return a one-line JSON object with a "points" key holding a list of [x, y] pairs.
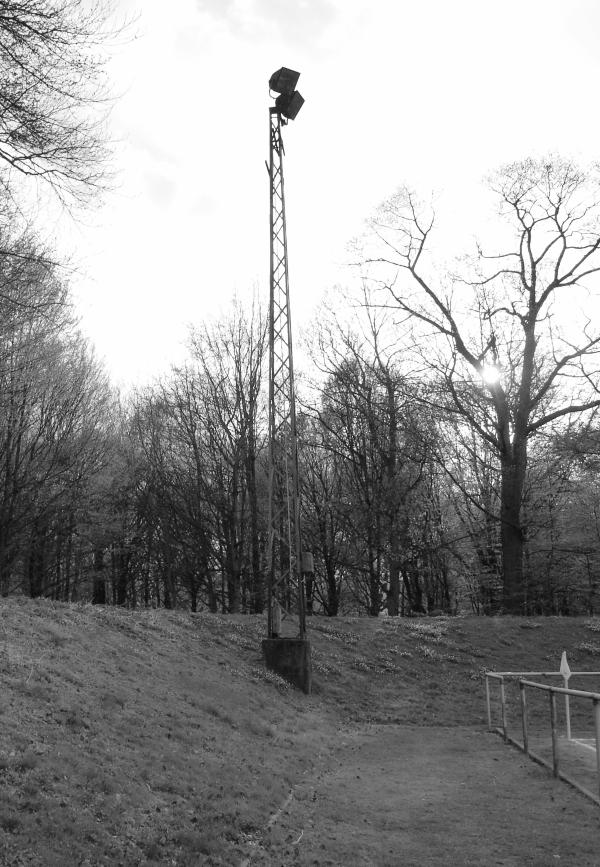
{"points": [[257, 600], [121, 576], [512, 536], [37, 561], [99, 581], [393, 594], [193, 593], [414, 591], [374, 584], [213, 599], [234, 572], [68, 559], [169, 589], [57, 590], [333, 590]]}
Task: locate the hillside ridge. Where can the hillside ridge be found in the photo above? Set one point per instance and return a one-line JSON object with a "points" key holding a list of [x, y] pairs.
{"points": [[157, 737]]}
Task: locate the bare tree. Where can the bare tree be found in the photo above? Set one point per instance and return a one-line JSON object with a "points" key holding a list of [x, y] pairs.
{"points": [[374, 430], [324, 518], [55, 407], [53, 92], [509, 366], [472, 470], [227, 357], [200, 433]]}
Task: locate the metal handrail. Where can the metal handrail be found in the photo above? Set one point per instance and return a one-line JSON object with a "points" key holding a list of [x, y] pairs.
{"points": [[552, 691], [561, 689], [498, 674]]}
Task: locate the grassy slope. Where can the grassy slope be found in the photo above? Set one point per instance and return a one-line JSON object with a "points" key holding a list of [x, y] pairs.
{"points": [[157, 737]]}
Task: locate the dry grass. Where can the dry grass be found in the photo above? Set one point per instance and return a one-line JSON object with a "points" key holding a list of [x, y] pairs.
{"points": [[156, 737]]}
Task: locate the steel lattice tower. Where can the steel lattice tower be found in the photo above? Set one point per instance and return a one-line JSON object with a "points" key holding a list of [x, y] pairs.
{"points": [[284, 555]]}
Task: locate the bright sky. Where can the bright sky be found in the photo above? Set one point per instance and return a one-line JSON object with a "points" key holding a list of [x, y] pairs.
{"points": [[429, 92]]}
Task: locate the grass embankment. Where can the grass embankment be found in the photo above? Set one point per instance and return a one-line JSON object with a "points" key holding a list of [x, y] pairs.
{"points": [[156, 737]]}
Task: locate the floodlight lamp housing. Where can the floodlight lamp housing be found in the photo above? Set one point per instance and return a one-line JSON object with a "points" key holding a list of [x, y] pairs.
{"points": [[284, 80], [289, 104]]}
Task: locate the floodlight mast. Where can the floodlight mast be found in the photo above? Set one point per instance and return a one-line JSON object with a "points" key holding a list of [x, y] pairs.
{"points": [[285, 585]]}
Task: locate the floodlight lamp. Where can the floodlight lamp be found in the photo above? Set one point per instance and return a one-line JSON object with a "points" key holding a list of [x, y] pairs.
{"points": [[289, 104], [284, 80]]}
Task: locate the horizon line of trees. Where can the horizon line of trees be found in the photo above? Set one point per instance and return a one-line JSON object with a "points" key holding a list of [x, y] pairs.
{"points": [[161, 500]]}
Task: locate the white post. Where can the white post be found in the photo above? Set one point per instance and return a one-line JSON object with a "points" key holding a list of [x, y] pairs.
{"points": [[566, 673]]}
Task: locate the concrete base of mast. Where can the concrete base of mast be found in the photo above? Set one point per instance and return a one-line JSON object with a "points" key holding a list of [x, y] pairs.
{"points": [[290, 659]]}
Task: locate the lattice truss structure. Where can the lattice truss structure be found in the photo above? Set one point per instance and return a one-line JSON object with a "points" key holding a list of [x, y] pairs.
{"points": [[285, 584]]}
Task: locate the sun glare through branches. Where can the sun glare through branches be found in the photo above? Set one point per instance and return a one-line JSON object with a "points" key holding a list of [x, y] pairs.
{"points": [[491, 374]]}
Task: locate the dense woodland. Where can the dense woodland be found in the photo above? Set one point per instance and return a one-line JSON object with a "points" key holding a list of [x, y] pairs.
{"points": [[449, 438]]}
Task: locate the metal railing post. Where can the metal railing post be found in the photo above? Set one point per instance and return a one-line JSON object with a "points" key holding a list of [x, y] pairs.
{"points": [[524, 717], [503, 703], [597, 728], [554, 732], [487, 697]]}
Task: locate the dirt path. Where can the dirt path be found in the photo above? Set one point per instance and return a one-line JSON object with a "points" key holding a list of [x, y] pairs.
{"points": [[432, 797]]}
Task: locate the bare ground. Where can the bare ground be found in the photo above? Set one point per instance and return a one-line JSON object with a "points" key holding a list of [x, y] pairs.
{"points": [[431, 797]]}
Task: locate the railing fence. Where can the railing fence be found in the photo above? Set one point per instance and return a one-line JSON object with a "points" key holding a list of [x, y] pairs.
{"points": [[525, 683]]}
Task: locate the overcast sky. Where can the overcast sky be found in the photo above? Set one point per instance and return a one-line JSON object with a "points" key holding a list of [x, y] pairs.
{"points": [[433, 93]]}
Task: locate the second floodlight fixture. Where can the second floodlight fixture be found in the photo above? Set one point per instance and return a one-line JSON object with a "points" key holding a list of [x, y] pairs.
{"points": [[289, 102]]}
